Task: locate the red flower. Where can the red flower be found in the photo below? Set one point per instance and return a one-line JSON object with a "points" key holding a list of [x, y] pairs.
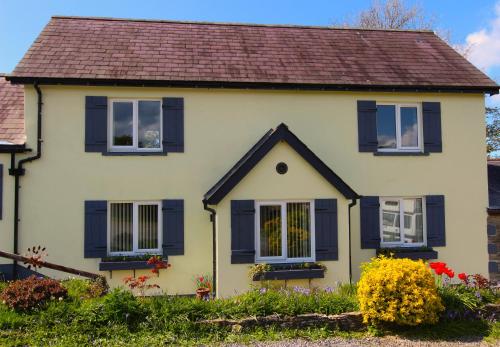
{"points": [[450, 273], [143, 278], [462, 276], [437, 264]]}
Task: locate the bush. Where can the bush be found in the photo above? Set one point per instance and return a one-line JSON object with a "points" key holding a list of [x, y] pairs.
{"points": [[120, 306], [84, 289], [32, 292], [400, 291]]}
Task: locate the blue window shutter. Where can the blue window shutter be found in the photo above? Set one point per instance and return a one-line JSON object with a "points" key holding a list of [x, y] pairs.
{"points": [[1, 191], [242, 231], [326, 223], [431, 118], [370, 222], [367, 126], [173, 227], [435, 215], [96, 124], [173, 124], [96, 234]]}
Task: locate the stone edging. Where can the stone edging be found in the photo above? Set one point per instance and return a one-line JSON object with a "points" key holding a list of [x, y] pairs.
{"points": [[350, 321]]}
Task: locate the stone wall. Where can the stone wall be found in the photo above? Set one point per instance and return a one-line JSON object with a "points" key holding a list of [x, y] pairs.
{"points": [[350, 321], [494, 246]]}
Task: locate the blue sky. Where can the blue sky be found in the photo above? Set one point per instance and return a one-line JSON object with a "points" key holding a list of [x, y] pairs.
{"points": [[22, 20], [476, 22]]}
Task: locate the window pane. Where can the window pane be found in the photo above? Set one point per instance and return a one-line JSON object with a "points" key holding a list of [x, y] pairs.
{"points": [[270, 231], [414, 231], [149, 124], [409, 127], [390, 221], [148, 226], [298, 229], [386, 126], [123, 123], [121, 227]]}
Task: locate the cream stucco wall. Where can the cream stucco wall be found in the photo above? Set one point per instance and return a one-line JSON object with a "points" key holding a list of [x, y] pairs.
{"points": [[7, 196], [301, 182], [220, 126]]}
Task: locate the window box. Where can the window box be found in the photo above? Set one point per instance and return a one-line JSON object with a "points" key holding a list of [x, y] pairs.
{"points": [[125, 263], [410, 253], [290, 272]]}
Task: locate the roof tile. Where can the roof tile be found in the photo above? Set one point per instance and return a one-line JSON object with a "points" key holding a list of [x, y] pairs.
{"points": [[11, 112]]}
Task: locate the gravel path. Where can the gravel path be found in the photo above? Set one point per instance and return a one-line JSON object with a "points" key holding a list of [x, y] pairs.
{"points": [[371, 341]]}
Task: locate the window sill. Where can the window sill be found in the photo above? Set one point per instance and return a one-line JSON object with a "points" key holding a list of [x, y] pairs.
{"points": [[142, 154], [410, 253], [124, 265], [401, 154], [290, 274]]}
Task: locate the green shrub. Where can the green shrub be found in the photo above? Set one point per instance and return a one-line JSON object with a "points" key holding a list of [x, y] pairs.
{"points": [[120, 306], [84, 288]]}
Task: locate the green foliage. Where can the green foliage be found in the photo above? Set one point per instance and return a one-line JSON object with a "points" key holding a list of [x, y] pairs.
{"points": [[84, 289], [492, 129], [119, 316], [120, 319], [462, 301], [120, 306]]}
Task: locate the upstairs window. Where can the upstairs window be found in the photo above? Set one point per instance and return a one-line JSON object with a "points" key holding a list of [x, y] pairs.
{"points": [[135, 125], [134, 228], [285, 231], [399, 127], [406, 212]]}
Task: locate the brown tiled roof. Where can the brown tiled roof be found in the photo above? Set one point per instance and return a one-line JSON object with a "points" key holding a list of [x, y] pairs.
{"points": [[147, 50], [11, 113]]}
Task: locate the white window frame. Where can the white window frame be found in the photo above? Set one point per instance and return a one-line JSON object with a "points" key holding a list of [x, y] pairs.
{"points": [[284, 233], [401, 243], [135, 127], [135, 228], [399, 147]]}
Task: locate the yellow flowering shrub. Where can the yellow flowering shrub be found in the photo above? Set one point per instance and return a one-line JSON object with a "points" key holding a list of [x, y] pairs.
{"points": [[400, 291]]}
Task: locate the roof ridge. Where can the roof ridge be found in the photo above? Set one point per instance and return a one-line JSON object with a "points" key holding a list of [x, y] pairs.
{"points": [[111, 19]]}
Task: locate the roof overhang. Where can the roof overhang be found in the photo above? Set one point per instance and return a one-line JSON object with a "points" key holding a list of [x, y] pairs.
{"points": [[259, 150], [6, 147], [252, 85]]}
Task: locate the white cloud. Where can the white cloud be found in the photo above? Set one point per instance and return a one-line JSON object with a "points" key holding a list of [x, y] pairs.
{"points": [[485, 44]]}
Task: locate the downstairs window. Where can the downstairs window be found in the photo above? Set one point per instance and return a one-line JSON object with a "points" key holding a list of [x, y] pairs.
{"points": [[134, 228], [406, 212], [285, 231]]}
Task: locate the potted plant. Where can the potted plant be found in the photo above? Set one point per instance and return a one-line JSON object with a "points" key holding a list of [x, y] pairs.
{"points": [[203, 286]]}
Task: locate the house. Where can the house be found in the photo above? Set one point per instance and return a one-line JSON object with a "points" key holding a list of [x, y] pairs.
{"points": [[494, 218], [220, 146]]}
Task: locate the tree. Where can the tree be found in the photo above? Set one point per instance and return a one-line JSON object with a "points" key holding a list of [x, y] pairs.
{"points": [[492, 129], [391, 14], [395, 14]]}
